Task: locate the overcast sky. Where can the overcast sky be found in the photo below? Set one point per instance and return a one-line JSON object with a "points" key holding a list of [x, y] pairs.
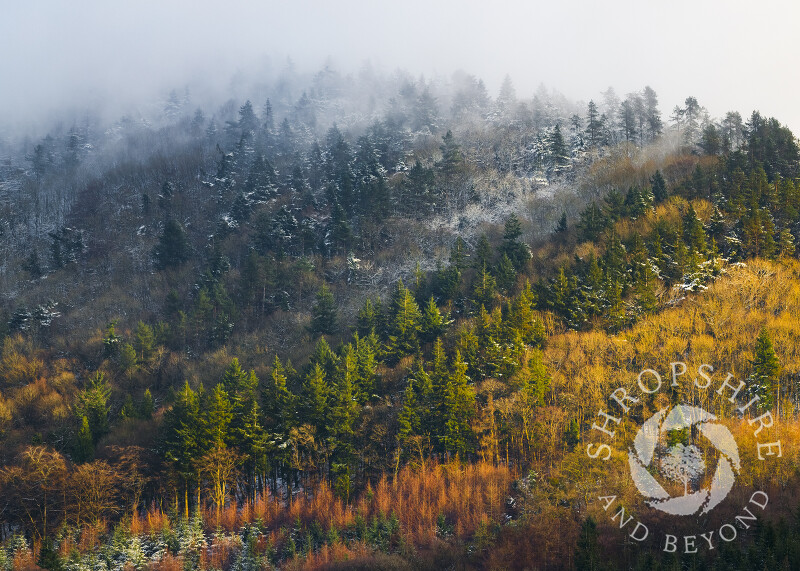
{"points": [[731, 54]]}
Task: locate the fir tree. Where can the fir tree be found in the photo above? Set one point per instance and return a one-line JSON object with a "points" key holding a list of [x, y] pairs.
{"points": [[659, 186], [323, 313], [404, 324], [314, 399], [172, 248], [459, 408], [765, 378]]}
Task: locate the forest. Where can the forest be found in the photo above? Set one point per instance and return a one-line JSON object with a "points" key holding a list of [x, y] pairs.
{"points": [[367, 322]]}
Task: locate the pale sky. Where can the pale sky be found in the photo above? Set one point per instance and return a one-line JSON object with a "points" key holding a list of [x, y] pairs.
{"points": [[730, 55]]}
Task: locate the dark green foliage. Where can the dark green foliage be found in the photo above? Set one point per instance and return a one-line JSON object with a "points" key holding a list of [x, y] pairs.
{"points": [[561, 227], [173, 247], [592, 223], [765, 379], [404, 323], [512, 247], [587, 553], [323, 313], [93, 405], [659, 186]]}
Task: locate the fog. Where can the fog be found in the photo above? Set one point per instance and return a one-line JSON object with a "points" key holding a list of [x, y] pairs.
{"points": [[69, 57]]}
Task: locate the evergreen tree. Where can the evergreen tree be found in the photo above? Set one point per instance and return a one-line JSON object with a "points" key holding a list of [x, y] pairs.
{"points": [[587, 551], [483, 292], [459, 408], [516, 251], [404, 323], [432, 323], [216, 418], [84, 445], [92, 403], [323, 313], [314, 399], [278, 403], [483, 254], [367, 365], [561, 227], [368, 319], [173, 247], [659, 186], [765, 378], [144, 342], [592, 223], [181, 438]]}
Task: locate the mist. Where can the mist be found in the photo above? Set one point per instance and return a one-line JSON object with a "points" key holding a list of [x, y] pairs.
{"points": [[64, 59]]}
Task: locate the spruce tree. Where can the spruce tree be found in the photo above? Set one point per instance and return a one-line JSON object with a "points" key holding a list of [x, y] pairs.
{"points": [[323, 313], [314, 399], [404, 323], [765, 379], [459, 409], [659, 186], [173, 247]]}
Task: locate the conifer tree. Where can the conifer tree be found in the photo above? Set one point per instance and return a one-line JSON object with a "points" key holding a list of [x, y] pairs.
{"points": [[92, 403], [587, 551], [216, 418], [404, 325], [459, 408], [765, 379], [432, 322], [278, 401], [173, 246], [323, 313], [659, 186], [367, 364], [516, 251], [368, 319], [144, 342], [84, 446], [314, 399], [505, 273], [181, 438], [483, 291]]}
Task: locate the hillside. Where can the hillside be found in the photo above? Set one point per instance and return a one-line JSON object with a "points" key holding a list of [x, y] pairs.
{"points": [[307, 332]]}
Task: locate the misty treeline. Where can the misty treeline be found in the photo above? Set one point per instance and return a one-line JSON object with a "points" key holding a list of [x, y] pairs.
{"points": [[213, 318]]}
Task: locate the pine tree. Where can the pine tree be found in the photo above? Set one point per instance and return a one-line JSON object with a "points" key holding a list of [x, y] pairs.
{"points": [[592, 223], [344, 406], [278, 402], [368, 319], [505, 274], [561, 227], [367, 365], [146, 406], [483, 253]]}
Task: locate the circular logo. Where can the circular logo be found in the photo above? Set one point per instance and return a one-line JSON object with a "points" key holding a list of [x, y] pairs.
{"points": [[661, 448]]}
